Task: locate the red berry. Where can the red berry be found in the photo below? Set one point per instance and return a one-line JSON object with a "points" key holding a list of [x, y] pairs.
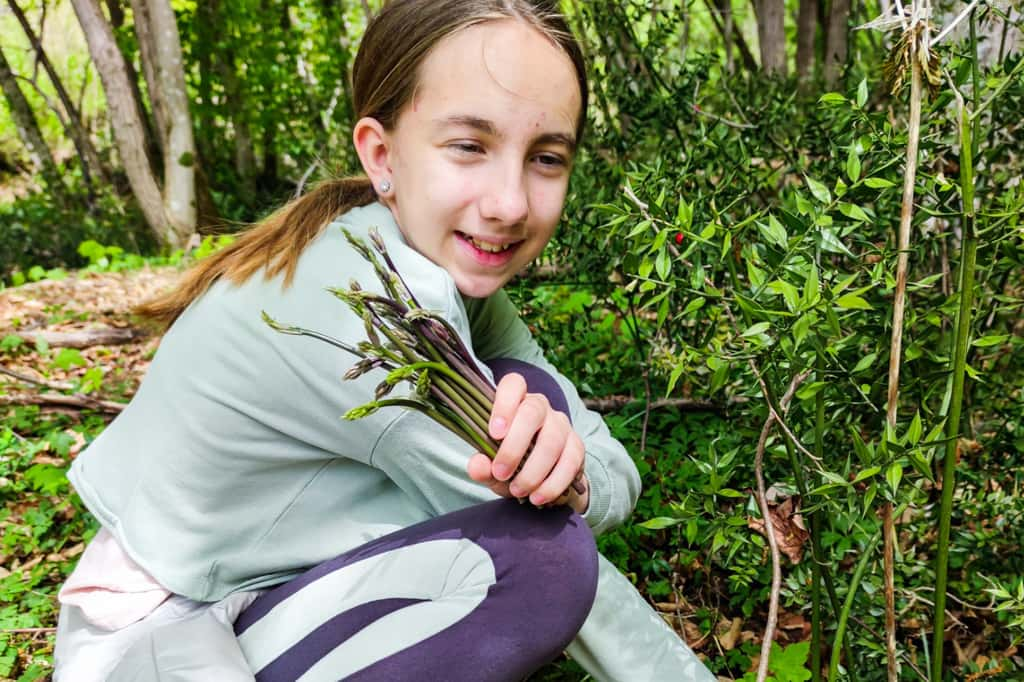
{"points": [[679, 238]]}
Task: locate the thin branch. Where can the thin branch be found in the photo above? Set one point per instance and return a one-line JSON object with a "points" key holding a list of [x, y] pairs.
{"points": [[301, 184], [646, 213], [617, 402], [960, 17], [77, 400], [54, 385], [769, 529], [775, 415]]}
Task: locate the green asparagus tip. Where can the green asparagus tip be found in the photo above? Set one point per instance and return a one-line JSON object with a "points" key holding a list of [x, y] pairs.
{"points": [[277, 326], [361, 411], [400, 374]]}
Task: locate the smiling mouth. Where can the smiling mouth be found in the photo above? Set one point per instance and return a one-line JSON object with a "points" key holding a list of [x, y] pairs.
{"points": [[489, 247]]}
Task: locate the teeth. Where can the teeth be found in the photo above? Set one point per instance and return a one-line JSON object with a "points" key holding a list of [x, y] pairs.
{"points": [[487, 246]]}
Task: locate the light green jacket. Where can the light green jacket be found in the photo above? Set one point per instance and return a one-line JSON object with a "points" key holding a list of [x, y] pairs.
{"points": [[231, 469]]}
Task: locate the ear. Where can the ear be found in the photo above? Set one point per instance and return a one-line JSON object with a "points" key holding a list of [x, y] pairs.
{"points": [[373, 145]]}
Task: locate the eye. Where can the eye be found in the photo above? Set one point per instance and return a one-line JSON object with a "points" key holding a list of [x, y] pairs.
{"points": [[549, 160], [466, 148]]}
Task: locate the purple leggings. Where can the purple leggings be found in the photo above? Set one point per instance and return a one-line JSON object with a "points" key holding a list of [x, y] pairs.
{"points": [[545, 579]]}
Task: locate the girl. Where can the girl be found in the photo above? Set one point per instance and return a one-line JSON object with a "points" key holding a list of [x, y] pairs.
{"points": [[248, 531]]}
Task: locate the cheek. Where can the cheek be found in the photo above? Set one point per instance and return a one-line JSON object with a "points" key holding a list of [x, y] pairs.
{"points": [[444, 184], [548, 200]]}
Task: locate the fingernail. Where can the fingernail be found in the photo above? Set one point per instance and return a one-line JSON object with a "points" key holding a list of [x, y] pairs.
{"points": [[501, 471], [537, 499], [498, 427], [515, 490]]}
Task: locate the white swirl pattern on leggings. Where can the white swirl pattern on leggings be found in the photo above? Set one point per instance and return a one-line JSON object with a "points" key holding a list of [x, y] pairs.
{"points": [[454, 576]]}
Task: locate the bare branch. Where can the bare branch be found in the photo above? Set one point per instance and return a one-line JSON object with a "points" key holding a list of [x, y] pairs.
{"points": [[769, 527], [54, 385]]}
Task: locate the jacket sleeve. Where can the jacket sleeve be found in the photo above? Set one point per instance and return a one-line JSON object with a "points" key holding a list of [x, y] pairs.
{"points": [[499, 332]]}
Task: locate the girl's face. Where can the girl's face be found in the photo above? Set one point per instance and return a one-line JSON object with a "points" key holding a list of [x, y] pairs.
{"points": [[480, 158]]}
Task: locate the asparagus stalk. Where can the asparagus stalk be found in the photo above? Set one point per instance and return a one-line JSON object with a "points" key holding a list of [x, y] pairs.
{"points": [[416, 346]]}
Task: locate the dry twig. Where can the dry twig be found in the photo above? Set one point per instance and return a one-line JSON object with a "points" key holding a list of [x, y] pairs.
{"points": [[54, 385], [769, 528]]}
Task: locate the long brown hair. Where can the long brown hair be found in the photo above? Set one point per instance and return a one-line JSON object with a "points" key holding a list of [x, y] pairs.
{"points": [[384, 78]]}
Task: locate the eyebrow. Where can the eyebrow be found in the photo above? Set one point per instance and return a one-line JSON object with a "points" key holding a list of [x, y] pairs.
{"points": [[488, 128]]}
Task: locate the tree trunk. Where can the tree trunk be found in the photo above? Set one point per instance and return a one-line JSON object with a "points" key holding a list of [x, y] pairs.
{"points": [[737, 37], [245, 157], [771, 35], [836, 41], [169, 96], [153, 149], [728, 28], [143, 23], [203, 49], [806, 28], [73, 127], [128, 128], [28, 129]]}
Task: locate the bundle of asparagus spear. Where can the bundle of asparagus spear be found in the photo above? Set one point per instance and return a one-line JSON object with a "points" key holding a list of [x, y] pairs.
{"points": [[416, 346]]}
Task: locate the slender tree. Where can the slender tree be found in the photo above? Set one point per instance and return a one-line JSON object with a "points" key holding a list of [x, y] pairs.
{"points": [[72, 120], [806, 30], [716, 11], [836, 41], [163, 64], [153, 149], [771, 34], [127, 123], [28, 129]]}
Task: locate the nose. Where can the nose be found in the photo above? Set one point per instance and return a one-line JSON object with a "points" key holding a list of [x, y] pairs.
{"points": [[505, 199]]}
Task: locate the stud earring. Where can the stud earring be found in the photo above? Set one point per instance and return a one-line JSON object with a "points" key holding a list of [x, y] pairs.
{"points": [[385, 186]]}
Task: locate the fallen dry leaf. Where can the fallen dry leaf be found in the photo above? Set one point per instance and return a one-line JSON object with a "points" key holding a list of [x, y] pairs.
{"points": [[695, 639], [729, 638], [790, 532]]}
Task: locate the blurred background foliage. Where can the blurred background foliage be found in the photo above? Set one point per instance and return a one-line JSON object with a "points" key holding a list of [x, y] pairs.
{"points": [[730, 235]]}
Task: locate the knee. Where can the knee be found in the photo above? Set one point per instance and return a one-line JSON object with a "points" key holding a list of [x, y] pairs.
{"points": [[553, 563]]}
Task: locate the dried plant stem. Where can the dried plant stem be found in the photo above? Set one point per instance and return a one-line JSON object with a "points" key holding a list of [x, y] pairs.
{"points": [[773, 546], [769, 529], [896, 346]]}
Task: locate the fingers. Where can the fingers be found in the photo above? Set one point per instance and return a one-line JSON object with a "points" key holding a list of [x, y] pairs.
{"points": [[547, 450], [529, 417], [507, 396], [561, 476], [479, 470], [525, 424]]}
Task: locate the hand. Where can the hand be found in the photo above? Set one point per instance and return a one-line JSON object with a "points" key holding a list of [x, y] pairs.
{"points": [[521, 420]]}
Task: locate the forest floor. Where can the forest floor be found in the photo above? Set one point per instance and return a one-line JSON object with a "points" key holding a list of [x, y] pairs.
{"points": [[54, 399]]}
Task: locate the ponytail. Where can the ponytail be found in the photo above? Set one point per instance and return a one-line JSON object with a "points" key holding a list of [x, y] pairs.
{"points": [[274, 245]]}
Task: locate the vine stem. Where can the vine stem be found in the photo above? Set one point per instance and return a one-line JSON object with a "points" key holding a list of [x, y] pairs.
{"points": [[769, 529], [968, 257], [844, 616], [819, 450]]}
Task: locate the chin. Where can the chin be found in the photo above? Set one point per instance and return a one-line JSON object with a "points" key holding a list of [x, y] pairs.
{"points": [[479, 288]]}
